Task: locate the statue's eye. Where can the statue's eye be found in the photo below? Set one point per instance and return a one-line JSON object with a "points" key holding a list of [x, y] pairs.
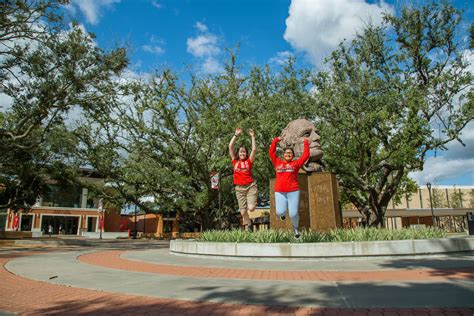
{"points": [[307, 133]]}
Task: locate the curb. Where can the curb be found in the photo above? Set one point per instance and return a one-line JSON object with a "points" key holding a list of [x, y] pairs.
{"points": [[324, 250], [45, 243]]}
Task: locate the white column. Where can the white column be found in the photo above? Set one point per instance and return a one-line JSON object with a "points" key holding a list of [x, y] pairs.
{"points": [[84, 198]]}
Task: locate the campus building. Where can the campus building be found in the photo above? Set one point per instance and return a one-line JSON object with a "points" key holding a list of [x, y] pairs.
{"points": [[154, 225], [70, 210], [446, 208], [450, 205], [74, 210]]}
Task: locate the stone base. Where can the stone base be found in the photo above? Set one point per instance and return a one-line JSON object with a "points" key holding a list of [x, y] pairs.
{"points": [[319, 203], [323, 249]]}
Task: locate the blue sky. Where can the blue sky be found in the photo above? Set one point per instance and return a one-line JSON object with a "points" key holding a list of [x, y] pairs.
{"points": [[181, 33], [161, 32]]}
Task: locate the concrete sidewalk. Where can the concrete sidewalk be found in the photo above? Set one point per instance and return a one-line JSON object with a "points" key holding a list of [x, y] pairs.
{"points": [[143, 277]]}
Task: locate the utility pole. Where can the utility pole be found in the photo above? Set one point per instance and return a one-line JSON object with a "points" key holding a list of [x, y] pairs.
{"points": [[219, 179], [101, 217], [433, 220], [134, 236]]}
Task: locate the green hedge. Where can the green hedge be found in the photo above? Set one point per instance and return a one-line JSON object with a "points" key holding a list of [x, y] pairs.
{"points": [[337, 235]]}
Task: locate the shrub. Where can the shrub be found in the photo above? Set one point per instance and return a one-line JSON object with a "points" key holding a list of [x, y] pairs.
{"points": [[308, 236]]}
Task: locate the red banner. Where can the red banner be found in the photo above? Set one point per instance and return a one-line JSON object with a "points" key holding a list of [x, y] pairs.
{"points": [[215, 181], [16, 222]]}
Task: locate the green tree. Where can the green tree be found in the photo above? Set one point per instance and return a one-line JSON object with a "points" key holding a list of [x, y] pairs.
{"points": [[384, 95], [438, 197], [456, 199], [46, 70], [26, 173], [172, 135]]}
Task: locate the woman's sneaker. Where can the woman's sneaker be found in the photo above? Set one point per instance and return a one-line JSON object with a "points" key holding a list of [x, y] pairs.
{"points": [[297, 234]]}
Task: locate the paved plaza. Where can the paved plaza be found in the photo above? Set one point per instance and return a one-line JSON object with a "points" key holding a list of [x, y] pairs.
{"points": [[133, 277]]}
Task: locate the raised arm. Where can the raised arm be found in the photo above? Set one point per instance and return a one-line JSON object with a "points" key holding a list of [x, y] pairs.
{"points": [[238, 131], [305, 155], [272, 151], [254, 145]]}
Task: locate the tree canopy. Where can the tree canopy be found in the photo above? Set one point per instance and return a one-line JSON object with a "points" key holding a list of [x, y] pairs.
{"points": [[389, 97], [167, 144], [393, 94], [47, 69]]}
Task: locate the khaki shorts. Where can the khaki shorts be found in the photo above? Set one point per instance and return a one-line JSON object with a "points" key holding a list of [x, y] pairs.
{"points": [[246, 195]]}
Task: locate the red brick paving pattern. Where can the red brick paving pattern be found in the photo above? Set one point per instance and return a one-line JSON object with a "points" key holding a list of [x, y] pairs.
{"points": [[112, 259], [28, 297]]}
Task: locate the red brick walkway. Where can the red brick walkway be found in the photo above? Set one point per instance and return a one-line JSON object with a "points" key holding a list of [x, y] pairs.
{"points": [[24, 296], [112, 259]]}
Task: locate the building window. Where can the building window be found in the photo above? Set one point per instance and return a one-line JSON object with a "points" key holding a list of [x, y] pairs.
{"points": [[62, 196]]}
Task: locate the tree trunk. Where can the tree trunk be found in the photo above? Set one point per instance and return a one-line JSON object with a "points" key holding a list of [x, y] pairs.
{"points": [[206, 221], [379, 220]]}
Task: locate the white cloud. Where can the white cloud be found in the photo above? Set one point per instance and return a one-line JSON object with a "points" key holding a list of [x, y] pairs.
{"points": [[90, 8], [211, 65], [157, 50], [451, 165], [317, 27], [205, 48], [201, 27], [203, 45], [443, 170], [5, 102], [468, 56], [281, 58], [156, 4], [457, 163]]}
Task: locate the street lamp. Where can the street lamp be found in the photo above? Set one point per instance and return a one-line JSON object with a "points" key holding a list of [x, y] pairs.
{"points": [[101, 217], [134, 236], [428, 185]]}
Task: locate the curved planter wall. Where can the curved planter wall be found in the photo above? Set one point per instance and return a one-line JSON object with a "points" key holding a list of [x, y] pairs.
{"points": [[323, 250]]}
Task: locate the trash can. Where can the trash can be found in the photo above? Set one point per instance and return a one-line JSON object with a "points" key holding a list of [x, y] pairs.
{"points": [[470, 223]]}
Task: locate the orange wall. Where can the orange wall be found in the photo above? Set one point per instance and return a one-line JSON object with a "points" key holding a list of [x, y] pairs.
{"points": [[149, 223], [112, 222]]}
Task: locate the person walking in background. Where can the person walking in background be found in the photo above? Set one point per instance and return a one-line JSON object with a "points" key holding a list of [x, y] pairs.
{"points": [[50, 230], [245, 186], [287, 191]]}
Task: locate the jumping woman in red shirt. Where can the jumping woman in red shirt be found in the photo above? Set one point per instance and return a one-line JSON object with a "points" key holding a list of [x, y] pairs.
{"points": [[287, 190], [245, 186]]}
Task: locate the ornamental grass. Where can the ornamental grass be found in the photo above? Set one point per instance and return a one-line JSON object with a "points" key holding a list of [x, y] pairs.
{"points": [[309, 236]]}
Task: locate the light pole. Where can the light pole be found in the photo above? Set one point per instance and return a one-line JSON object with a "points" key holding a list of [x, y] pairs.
{"points": [[428, 185], [101, 217], [134, 236]]}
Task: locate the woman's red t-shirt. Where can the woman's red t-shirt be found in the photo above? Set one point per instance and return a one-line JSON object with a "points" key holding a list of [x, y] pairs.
{"points": [[242, 172], [287, 172]]}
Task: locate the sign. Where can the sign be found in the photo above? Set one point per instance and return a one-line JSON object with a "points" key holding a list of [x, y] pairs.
{"points": [[16, 222], [215, 181]]}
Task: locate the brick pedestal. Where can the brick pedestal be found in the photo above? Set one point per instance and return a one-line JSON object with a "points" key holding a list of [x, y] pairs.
{"points": [[319, 203]]}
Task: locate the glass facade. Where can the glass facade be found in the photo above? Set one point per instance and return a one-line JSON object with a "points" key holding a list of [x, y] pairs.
{"points": [[64, 196]]}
